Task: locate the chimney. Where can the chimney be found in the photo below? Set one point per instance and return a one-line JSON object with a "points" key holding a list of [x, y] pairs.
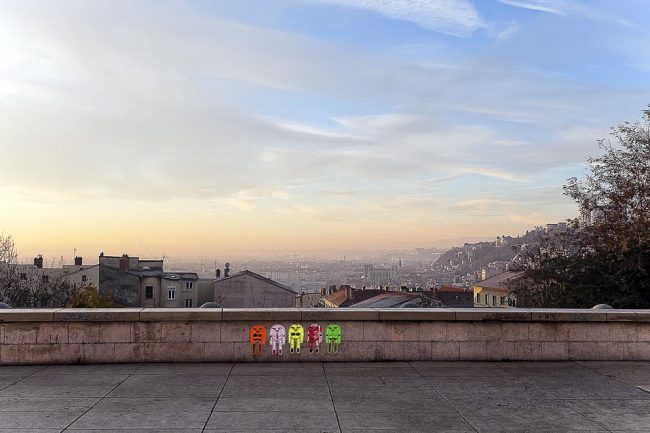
{"points": [[38, 261], [78, 261], [348, 292], [226, 270], [124, 262], [218, 273]]}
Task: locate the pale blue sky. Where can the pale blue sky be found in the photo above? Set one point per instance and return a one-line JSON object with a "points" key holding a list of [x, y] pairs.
{"points": [[331, 123]]}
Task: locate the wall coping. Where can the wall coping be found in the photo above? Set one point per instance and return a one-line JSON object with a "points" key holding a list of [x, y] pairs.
{"points": [[321, 314]]}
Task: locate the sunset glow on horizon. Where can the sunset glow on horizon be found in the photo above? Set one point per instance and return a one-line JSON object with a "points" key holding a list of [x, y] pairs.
{"points": [[196, 128]]}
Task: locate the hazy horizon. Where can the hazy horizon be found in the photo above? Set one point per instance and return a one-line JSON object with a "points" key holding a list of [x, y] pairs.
{"points": [[193, 128]]}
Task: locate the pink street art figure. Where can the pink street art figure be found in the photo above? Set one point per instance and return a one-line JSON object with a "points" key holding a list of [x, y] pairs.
{"points": [[314, 337], [277, 338]]}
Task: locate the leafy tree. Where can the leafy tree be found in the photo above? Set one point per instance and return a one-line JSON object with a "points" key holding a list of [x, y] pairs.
{"points": [[605, 256], [89, 297]]}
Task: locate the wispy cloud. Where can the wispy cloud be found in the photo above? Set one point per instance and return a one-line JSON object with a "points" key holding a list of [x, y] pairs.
{"points": [[566, 8], [452, 17]]}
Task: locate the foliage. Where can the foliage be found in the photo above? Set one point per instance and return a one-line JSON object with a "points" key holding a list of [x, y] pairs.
{"points": [[89, 297], [23, 286], [606, 259]]}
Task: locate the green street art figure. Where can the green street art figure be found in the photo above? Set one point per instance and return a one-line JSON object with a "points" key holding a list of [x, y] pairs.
{"points": [[296, 337], [332, 338]]}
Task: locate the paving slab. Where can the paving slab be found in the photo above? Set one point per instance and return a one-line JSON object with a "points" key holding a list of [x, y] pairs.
{"points": [[622, 421], [423, 421], [170, 385], [19, 370], [282, 369], [282, 421], [487, 388], [372, 372], [74, 380], [63, 391], [38, 419], [385, 392], [376, 380], [398, 404], [204, 369], [142, 419], [608, 406], [543, 419], [460, 369], [153, 404], [266, 391], [130, 430], [45, 404], [278, 403]]}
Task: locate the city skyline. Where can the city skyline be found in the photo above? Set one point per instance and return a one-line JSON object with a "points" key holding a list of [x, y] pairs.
{"points": [[195, 128]]}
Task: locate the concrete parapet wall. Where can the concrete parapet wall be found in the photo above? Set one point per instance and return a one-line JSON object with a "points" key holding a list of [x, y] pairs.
{"points": [[197, 335]]}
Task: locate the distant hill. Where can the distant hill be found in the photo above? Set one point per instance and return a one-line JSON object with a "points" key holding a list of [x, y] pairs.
{"points": [[471, 257]]}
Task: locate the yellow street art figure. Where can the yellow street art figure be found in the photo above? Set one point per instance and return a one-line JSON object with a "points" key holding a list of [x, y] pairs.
{"points": [[296, 337]]}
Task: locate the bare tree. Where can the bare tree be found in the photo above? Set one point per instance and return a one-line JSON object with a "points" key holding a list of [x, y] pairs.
{"points": [[25, 286]]}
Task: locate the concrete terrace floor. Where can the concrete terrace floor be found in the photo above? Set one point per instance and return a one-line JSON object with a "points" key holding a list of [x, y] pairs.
{"points": [[335, 397]]}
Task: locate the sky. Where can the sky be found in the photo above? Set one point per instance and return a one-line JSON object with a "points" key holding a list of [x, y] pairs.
{"points": [[201, 127]]}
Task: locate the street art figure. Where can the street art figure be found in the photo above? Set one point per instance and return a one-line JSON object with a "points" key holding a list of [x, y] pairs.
{"points": [[314, 337], [257, 338], [277, 338], [296, 337], [332, 337]]}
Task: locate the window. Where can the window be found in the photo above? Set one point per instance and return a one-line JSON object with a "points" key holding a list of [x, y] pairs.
{"points": [[148, 292], [171, 293], [188, 285], [23, 276], [84, 278], [487, 301], [188, 303], [494, 300], [46, 278], [478, 298]]}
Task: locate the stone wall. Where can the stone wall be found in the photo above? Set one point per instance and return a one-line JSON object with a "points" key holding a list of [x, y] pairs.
{"points": [[195, 335]]}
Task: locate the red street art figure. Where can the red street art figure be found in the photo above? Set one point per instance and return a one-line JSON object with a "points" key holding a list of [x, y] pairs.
{"points": [[257, 338], [314, 337], [277, 338], [296, 337]]}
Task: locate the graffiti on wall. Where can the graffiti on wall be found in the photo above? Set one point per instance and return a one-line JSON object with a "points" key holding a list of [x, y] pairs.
{"points": [[295, 337], [277, 339], [257, 338]]}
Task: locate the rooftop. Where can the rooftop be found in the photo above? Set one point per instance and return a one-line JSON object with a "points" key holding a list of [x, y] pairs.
{"points": [[499, 281], [327, 397]]}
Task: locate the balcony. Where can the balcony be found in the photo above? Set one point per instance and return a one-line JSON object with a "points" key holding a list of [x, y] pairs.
{"points": [[193, 370]]}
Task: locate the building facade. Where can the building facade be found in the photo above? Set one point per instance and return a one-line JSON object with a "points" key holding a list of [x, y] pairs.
{"points": [[250, 290], [494, 292]]}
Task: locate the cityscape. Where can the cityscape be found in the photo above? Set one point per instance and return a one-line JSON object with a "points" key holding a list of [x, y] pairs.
{"points": [[324, 216]]}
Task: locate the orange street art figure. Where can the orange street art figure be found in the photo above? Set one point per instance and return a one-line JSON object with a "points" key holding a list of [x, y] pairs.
{"points": [[296, 337], [314, 337], [277, 338], [333, 337], [257, 338]]}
